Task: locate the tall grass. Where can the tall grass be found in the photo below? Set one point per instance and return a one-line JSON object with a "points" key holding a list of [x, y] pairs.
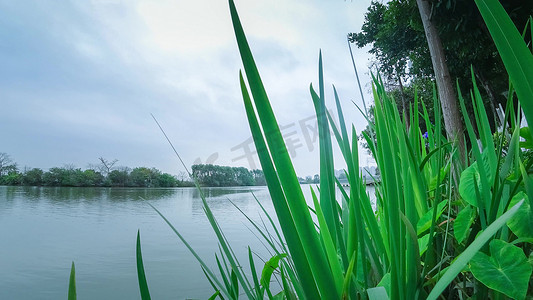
{"points": [[406, 247], [429, 236]]}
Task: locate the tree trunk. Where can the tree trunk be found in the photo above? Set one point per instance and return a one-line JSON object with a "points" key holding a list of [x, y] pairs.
{"points": [[447, 94]]}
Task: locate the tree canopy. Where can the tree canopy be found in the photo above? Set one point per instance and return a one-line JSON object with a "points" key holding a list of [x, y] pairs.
{"points": [[395, 33], [214, 175], [94, 176]]}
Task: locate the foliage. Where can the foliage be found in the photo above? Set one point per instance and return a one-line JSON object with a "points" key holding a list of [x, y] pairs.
{"points": [[214, 175], [76, 177], [394, 31], [416, 189]]}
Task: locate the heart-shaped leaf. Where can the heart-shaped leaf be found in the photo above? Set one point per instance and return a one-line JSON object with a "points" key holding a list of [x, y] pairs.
{"points": [[521, 223], [462, 223], [506, 270], [525, 133], [471, 179]]}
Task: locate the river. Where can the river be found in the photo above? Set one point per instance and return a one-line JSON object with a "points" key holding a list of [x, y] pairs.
{"points": [[44, 229]]}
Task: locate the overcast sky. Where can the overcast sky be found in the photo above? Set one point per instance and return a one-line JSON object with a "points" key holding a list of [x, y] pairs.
{"points": [[79, 79]]}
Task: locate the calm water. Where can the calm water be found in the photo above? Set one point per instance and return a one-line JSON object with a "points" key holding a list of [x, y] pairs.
{"points": [[42, 230]]}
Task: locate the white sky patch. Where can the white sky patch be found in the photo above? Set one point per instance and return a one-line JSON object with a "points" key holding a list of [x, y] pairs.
{"points": [[186, 27]]}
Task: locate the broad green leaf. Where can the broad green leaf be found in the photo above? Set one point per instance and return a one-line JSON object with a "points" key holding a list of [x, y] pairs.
{"points": [[143, 285], [423, 243], [377, 293], [522, 222], [467, 184], [462, 223], [72, 283], [461, 261], [469, 177], [525, 133], [443, 172], [271, 265], [425, 222], [506, 270]]}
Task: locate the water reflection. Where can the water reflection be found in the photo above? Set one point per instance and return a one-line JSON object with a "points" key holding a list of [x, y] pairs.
{"points": [[218, 192], [43, 229]]}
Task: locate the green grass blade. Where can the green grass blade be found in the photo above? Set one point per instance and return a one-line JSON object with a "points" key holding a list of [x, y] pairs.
{"points": [[287, 291], [279, 201], [515, 55], [327, 185], [469, 252], [329, 245], [215, 295], [143, 285], [224, 273], [234, 284], [287, 177], [72, 283], [257, 286], [213, 285]]}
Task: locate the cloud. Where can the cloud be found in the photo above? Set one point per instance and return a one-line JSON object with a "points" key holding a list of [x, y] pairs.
{"points": [[80, 79]]}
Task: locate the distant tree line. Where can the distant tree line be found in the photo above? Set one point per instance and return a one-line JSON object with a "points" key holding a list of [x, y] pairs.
{"points": [[214, 175], [104, 174], [310, 180]]}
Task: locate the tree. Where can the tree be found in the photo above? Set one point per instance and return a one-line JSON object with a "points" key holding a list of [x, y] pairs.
{"points": [[119, 176], [213, 175], [244, 177], [395, 31], [182, 176], [447, 94], [106, 166], [53, 177], [91, 177], [166, 180], [6, 164], [259, 177], [144, 177], [33, 177]]}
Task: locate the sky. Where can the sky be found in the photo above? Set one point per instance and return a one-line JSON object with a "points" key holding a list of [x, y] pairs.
{"points": [[79, 80]]}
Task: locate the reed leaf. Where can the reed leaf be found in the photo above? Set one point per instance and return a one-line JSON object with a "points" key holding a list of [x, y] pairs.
{"points": [[514, 52], [143, 285], [72, 283], [287, 177]]}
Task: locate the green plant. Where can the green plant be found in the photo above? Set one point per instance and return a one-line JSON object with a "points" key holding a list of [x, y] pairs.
{"points": [[432, 225]]}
